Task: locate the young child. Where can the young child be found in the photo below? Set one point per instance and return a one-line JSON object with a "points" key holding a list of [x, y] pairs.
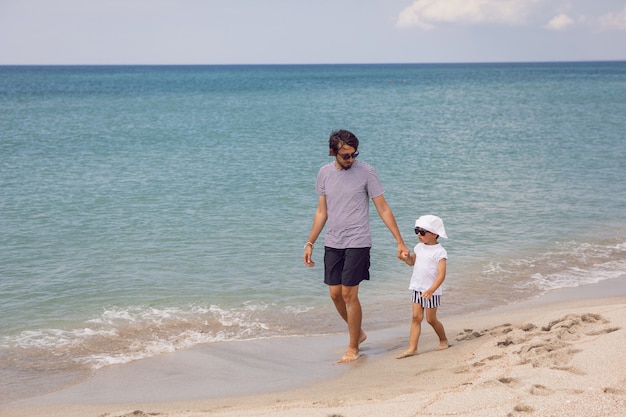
{"points": [[429, 271]]}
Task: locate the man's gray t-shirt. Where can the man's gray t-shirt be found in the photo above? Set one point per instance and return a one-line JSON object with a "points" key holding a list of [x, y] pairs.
{"points": [[348, 192]]}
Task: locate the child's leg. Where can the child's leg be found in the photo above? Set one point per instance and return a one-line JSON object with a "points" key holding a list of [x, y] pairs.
{"points": [[431, 318], [414, 334]]}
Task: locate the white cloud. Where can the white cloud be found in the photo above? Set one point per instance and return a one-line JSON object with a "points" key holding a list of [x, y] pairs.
{"points": [[614, 20], [560, 22], [426, 14]]}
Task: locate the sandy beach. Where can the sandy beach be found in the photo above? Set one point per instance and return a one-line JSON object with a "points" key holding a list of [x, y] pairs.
{"points": [[559, 355]]}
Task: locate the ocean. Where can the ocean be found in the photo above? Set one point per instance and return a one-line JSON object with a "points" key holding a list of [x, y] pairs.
{"points": [[148, 209]]}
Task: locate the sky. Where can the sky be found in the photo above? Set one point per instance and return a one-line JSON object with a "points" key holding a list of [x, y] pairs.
{"points": [[159, 32]]}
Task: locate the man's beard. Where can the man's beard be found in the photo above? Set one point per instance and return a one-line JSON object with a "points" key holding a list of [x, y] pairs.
{"points": [[345, 166]]}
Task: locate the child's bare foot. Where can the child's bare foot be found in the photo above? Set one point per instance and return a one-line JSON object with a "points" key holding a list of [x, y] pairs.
{"points": [[349, 356], [443, 345], [406, 354]]}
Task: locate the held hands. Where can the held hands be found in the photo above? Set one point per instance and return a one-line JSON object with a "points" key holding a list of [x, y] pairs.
{"points": [[403, 252], [407, 258]]}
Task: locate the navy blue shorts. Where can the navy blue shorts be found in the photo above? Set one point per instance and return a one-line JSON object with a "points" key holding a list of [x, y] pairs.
{"points": [[346, 266]]}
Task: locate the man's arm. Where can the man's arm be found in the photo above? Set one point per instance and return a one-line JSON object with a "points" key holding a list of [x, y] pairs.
{"points": [[385, 213], [319, 220]]}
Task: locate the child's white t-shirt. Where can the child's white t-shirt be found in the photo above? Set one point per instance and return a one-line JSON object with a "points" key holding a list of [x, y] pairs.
{"points": [[425, 268]]}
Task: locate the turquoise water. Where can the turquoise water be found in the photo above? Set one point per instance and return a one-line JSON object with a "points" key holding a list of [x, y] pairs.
{"points": [[149, 209]]}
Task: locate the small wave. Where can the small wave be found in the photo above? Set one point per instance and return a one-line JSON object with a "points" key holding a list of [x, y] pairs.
{"points": [[120, 335], [568, 264], [575, 276]]}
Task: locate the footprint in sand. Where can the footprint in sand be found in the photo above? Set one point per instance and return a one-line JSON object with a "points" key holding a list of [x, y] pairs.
{"points": [[612, 390], [468, 334], [550, 346], [541, 390], [136, 413]]}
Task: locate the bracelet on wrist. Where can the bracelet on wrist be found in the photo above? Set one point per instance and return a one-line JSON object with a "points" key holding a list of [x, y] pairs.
{"points": [[308, 244]]}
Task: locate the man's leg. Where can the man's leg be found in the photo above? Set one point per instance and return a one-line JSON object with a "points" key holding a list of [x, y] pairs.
{"points": [[336, 294], [354, 315], [351, 266], [340, 304]]}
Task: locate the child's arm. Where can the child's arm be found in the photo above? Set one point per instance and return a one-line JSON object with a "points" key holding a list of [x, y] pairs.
{"points": [[441, 275], [410, 259]]}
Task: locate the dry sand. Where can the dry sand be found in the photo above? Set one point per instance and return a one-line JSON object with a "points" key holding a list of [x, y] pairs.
{"points": [[557, 359]]}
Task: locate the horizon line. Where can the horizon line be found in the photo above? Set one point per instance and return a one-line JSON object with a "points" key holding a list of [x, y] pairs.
{"points": [[322, 64]]}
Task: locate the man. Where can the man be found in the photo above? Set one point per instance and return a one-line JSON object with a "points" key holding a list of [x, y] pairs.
{"points": [[344, 187]]}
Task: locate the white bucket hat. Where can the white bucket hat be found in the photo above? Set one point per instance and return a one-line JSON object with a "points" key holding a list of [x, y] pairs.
{"points": [[433, 224]]}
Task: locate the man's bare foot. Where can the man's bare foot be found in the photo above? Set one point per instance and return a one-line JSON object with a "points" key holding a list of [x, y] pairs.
{"points": [[362, 337], [406, 354], [349, 356], [443, 345]]}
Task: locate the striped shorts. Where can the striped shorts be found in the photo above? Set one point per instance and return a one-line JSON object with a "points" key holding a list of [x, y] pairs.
{"points": [[433, 302]]}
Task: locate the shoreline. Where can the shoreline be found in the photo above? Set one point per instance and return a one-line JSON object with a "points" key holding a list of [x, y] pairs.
{"points": [[298, 375]]}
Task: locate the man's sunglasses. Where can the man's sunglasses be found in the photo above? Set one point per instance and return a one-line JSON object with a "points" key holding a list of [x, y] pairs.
{"points": [[419, 231], [348, 155]]}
